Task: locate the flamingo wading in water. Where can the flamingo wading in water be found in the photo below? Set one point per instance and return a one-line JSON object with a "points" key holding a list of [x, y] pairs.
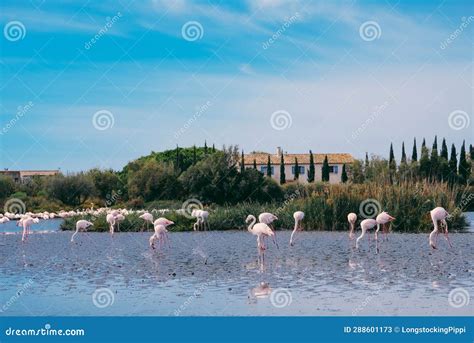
{"points": [[147, 217], [385, 220], [298, 215], [365, 225], [81, 225], [351, 218], [261, 230], [438, 215], [161, 233]]}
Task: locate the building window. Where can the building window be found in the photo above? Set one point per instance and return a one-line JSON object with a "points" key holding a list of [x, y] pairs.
{"points": [[263, 169], [334, 169], [301, 168]]}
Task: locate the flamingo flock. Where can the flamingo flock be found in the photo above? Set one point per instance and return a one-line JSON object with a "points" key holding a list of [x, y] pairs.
{"points": [[262, 229]]}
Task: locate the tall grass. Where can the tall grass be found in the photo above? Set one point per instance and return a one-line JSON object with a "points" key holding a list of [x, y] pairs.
{"points": [[326, 208]]}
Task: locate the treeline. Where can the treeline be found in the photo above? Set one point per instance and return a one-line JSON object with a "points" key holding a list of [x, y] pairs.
{"points": [[216, 177]]}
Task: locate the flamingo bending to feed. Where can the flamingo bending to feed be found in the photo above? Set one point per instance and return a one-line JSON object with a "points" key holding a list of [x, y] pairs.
{"points": [[161, 233], [365, 225], [81, 225], [26, 223], [147, 217], [261, 230], [351, 218], [110, 218], [438, 214], [202, 219], [298, 215], [385, 220]]}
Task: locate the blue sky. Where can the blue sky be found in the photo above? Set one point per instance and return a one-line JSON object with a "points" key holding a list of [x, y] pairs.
{"points": [[340, 76]]}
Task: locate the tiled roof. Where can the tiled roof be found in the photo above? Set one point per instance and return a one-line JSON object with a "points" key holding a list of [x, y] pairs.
{"points": [[262, 158]]}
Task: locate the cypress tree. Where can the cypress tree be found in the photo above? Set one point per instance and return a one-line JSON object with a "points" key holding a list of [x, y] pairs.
{"points": [[269, 167], [177, 157], [254, 164], [325, 169], [424, 162], [311, 170], [423, 145], [205, 147], [213, 148], [453, 165], [297, 170], [464, 166], [434, 161], [242, 163], [344, 174], [414, 154], [392, 165], [471, 152], [404, 155], [194, 155], [282, 170], [443, 162], [367, 173]]}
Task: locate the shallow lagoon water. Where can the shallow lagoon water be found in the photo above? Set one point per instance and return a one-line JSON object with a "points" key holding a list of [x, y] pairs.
{"points": [[217, 273]]}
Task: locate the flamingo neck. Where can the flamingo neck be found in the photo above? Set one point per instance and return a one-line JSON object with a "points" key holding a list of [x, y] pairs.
{"points": [[252, 223]]}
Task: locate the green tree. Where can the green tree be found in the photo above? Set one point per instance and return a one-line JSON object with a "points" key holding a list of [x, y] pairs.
{"points": [[254, 164], [357, 172], [106, 182], [177, 161], [213, 148], [424, 162], [464, 166], [297, 170], [392, 165], [414, 154], [7, 187], [404, 155], [443, 162], [194, 155], [453, 165], [325, 169], [205, 148], [72, 190], [403, 169], [311, 170], [242, 162], [282, 170], [367, 170], [434, 161], [344, 174], [471, 152], [269, 167]]}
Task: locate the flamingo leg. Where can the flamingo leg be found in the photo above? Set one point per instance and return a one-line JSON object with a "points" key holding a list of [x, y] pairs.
{"points": [[445, 224]]}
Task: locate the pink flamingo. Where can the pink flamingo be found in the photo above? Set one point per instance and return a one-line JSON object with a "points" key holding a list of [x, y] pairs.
{"points": [[438, 214], [119, 218], [261, 230], [26, 224], [351, 218], [269, 218], [148, 218], [298, 215], [365, 225], [383, 219], [81, 225], [161, 233], [110, 218]]}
